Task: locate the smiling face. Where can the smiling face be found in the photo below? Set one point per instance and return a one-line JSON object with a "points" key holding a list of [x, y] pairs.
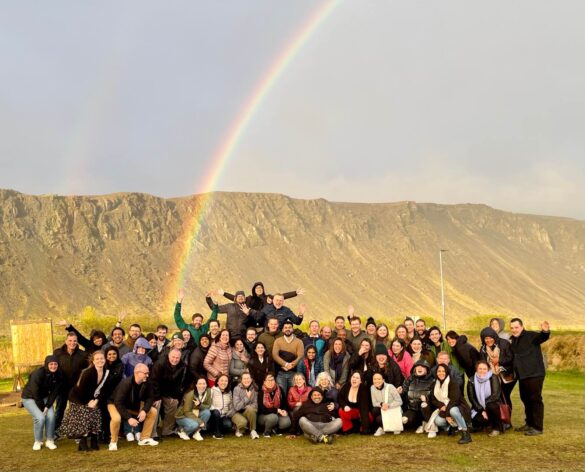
{"points": [[382, 332], [259, 290], [337, 346], [326, 333], [378, 380], [134, 332], [278, 301], [481, 370], [98, 359], [246, 379], [451, 341], [420, 327], [260, 349], [117, 336], [52, 366], [356, 380], [516, 328], [224, 337], [299, 381], [222, 382], [174, 357], [396, 347], [401, 332], [161, 334], [239, 346], [365, 346], [204, 342], [441, 372], [201, 385], [71, 342], [287, 329], [435, 336], [197, 321], [272, 325], [251, 335], [356, 326], [489, 341], [409, 326], [416, 345], [324, 383], [186, 335], [111, 356], [311, 354]]}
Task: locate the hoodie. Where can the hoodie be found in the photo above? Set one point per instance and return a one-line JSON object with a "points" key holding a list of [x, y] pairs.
{"points": [[505, 359], [132, 358], [43, 385], [501, 333]]}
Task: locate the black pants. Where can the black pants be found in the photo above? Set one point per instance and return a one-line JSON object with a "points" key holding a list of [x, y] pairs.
{"points": [[493, 411], [531, 396], [416, 417]]}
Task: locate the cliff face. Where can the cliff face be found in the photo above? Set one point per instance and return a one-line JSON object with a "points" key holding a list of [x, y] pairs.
{"points": [[114, 252]]}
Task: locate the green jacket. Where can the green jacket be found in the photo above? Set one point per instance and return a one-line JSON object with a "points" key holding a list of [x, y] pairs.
{"points": [[185, 409], [195, 333]]}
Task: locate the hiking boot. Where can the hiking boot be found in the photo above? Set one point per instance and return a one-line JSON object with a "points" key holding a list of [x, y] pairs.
{"points": [[83, 445], [533, 432], [93, 442], [465, 437]]}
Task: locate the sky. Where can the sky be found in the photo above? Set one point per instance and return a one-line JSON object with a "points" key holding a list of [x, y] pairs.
{"points": [[443, 102]]}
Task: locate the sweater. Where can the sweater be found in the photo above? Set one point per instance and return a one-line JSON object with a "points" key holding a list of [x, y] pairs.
{"points": [[379, 396], [284, 351], [195, 332]]}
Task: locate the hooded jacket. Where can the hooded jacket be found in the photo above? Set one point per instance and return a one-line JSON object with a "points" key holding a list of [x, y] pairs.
{"points": [[501, 333], [258, 302], [415, 386], [130, 359], [466, 354], [196, 358], [506, 359], [43, 383]]}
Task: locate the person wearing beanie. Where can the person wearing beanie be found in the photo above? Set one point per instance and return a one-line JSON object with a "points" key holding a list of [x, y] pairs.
{"points": [[371, 328], [38, 397], [258, 298], [239, 315]]}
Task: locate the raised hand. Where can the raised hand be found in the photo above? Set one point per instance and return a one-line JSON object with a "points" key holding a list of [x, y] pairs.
{"points": [[180, 295], [123, 315], [302, 309], [300, 291], [220, 292], [351, 311], [245, 309]]}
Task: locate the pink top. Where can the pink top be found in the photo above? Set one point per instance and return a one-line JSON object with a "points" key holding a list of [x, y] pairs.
{"points": [[405, 364]]}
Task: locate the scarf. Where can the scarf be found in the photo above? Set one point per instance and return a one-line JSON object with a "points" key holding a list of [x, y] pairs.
{"points": [[483, 389], [441, 391], [243, 356], [493, 354], [337, 364], [271, 398], [309, 371]]}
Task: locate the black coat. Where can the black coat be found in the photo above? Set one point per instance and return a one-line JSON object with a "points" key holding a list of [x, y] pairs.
{"points": [[86, 386], [71, 365], [391, 373], [466, 354], [129, 395], [506, 359], [528, 360], [168, 380], [364, 403], [493, 398], [456, 398], [258, 370], [43, 384]]}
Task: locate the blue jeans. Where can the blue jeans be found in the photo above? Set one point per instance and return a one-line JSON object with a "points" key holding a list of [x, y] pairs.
{"points": [[40, 421], [204, 415], [189, 425], [456, 415], [284, 380]]}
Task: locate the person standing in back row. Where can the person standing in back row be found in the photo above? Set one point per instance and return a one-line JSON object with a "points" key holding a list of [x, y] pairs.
{"points": [[530, 371]]}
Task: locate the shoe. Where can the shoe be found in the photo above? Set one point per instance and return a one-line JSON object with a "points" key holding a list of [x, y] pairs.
{"points": [[83, 445], [197, 436], [254, 434], [397, 432], [130, 437], [93, 443], [37, 445], [404, 420], [379, 432], [523, 428], [266, 434], [328, 439], [507, 426], [533, 432], [184, 436], [148, 442], [50, 444], [137, 436], [238, 434], [421, 428], [465, 437], [431, 435], [314, 439], [493, 433], [218, 436], [113, 447]]}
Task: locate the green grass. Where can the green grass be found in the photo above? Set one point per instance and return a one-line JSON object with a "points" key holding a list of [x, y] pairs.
{"points": [[560, 448]]}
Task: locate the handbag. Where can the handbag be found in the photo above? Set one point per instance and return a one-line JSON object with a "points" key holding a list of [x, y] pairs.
{"points": [[507, 377], [505, 411], [392, 417]]}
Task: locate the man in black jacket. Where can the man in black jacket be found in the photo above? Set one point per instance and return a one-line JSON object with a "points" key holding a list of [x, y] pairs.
{"points": [[72, 361], [132, 401], [168, 379], [530, 371]]}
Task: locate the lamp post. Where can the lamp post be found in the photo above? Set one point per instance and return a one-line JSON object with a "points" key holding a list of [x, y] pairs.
{"points": [[441, 251]]}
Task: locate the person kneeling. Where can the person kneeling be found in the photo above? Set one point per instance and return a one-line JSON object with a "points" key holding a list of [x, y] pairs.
{"points": [[316, 420]]}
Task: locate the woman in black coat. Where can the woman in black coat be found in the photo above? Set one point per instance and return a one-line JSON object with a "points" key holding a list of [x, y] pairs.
{"points": [[483, 391], [196, 369], [38, 397], [355, 404], [497, 352], [260, 364], [465, 353]]}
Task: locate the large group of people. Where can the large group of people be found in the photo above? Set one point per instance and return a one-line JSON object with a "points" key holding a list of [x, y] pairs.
{"points": [[260, 376]]}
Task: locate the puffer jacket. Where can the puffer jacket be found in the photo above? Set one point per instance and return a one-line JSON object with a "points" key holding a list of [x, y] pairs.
{"points": [[222, 402], [217, 360], [242, 401], [416, 386]]}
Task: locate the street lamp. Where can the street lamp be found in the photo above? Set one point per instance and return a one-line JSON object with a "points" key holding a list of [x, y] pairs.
{"points": [[441, 251]]}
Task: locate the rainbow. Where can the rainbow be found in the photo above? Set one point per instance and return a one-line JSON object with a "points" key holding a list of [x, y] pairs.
{"points": [[191, 228]]}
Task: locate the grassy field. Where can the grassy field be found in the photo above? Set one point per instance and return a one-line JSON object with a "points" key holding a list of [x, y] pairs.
{"points": [[561, 448]]}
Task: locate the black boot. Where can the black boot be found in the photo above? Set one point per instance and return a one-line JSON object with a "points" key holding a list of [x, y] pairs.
{"points": [[465, 437], [83, 444], [93, 442]]}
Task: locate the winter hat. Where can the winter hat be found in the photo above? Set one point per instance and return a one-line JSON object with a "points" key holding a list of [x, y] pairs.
{"points": [[51, 358], [141, 342], [240, 292], [370, 321], [177, 335], [380, 349]]}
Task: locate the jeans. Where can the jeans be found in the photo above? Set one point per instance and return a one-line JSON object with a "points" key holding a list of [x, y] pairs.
{"points": [[204, 416], [284, 379], [40, 421], [317, 428], [189, 425], [456, 415]]}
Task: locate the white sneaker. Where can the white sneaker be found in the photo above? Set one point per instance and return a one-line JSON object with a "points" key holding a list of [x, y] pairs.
{"points": [[113, 447], [432, 435], [379, 432], [420, 429], [396, 432], [148, 442], [238, 434], [130, 437], [137, 436], [50, 444], [197, 436], [254, 434], [183, 435], [37, 445]]}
